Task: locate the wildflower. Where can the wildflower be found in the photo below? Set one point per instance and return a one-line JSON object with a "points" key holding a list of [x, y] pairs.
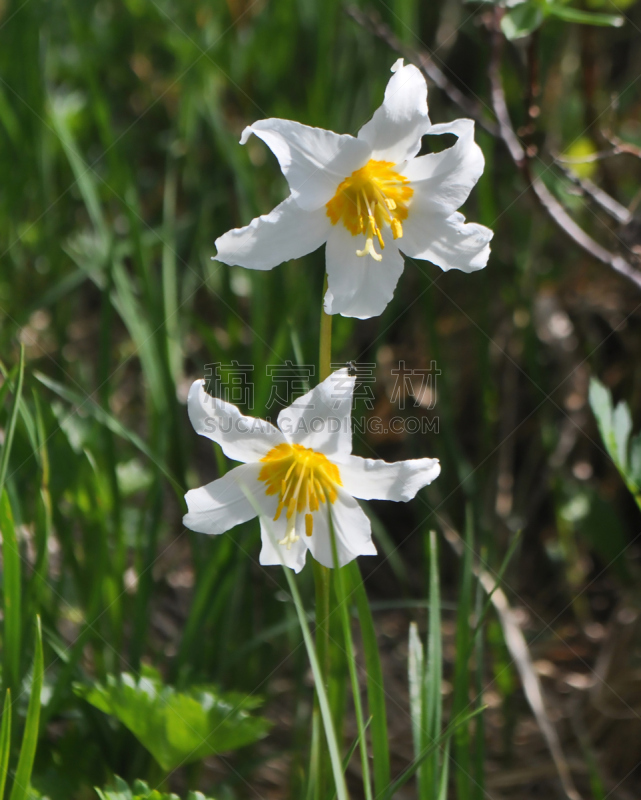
{"points": [[368, 198], [297, 474]]}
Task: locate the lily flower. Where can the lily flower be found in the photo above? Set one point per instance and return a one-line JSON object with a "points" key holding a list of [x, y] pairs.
{"points": [[297, 474], [368, 198]]}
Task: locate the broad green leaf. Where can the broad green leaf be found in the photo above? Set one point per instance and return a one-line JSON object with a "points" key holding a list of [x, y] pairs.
{"points": [[177, 727], [521, 20], [615, 428], [619, 5], [22, 778], [141, 791], [584, 17]]}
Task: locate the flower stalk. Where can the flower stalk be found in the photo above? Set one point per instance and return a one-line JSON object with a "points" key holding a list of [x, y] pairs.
{"points": [[322, 578]]}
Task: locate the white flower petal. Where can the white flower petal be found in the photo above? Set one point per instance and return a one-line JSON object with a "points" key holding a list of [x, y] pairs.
{"points": [[286, 232], [447, 178], [242, 438], [352, 529], [273, 553], [372, 479], [446, 241], [394, 132], [321, 419], [313, 160], [222, 504], [359, 286]]}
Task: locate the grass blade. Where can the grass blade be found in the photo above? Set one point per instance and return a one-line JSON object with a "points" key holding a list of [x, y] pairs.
{"points": [[5, 741], [427, 752], [434, 672], [375, 688], [12, 592], [348, 755], [20, 788], [337, 769], [105, 418], [342, 600], [464, 644], [13, 417], [415, 668]]}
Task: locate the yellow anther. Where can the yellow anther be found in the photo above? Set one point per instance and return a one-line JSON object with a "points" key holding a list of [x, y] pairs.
{"points": [[373, 196], [300, 477]]}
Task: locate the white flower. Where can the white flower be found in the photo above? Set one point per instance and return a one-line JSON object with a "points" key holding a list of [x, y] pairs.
{"points": [[366, 197], [297, 474]]}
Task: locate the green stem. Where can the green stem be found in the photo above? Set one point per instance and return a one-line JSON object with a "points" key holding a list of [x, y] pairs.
{"points": [[321, 573]]}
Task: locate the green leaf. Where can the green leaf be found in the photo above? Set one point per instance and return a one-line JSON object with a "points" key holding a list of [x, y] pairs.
{"points": [[141, 791], [12, 596], [177, 727], [10, 552], [375, 683], [621, 430], [342, 601], [22, 777], [415, 668], [330, 734], [109, 421], [428, 751], [635, 461], [5, 742], [615, 427], [619, 5], [601, 404], [433, 670], [521, 20], [585, 17]]}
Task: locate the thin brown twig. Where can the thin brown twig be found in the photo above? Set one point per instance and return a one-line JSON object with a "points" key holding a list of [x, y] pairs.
{"points": [[505, 131], [617, 211], [553, 207], [622, 147], [370, 22]]}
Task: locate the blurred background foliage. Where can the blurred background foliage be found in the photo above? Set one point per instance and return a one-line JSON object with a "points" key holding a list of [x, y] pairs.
{"points": [[120, 163]]}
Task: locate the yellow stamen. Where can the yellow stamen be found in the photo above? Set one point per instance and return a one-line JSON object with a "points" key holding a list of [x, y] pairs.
{"points": [[373, 196], [300, 477]]}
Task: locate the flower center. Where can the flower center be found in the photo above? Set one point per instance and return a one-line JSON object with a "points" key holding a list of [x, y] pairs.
{"points": [[301, 478], [372, 196]]}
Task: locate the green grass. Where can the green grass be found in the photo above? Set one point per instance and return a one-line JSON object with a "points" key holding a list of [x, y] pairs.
{"points": [[119, 128]]}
